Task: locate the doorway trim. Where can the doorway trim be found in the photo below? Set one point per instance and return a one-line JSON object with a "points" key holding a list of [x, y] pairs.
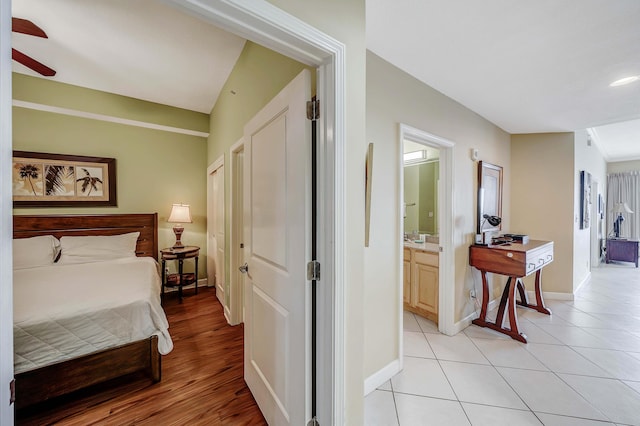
{"points": [[269, 26], [216, 167], [6, 212], [236, 281], [446, 291]]}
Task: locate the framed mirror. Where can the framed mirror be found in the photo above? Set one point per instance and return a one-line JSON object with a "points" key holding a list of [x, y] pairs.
{"points": [[489, 197]]}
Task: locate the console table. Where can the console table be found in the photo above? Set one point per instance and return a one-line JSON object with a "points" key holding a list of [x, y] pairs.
{"points": [[514, 261], [622, 250]]}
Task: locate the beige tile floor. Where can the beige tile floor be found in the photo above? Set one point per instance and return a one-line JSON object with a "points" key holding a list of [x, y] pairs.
{"points": [[580, 367]]}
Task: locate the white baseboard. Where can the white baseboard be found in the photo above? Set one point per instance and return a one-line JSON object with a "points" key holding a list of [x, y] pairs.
{"points": [[220, 293], [582, 284], [202, 282], [375, 380], [466, 321], [550, 295]]}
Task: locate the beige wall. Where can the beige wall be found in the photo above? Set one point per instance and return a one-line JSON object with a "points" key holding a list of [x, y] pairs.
{"points": [[394, 97], [542, 200], [154, 168]]}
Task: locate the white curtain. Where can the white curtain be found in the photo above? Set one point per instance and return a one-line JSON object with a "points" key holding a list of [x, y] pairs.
{"points": [[624, 188]]}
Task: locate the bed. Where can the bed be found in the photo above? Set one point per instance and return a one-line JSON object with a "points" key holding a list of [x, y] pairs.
{"points": [[108, 321]]}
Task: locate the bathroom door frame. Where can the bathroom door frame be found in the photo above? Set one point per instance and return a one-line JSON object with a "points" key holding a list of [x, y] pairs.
{"points": [[446, 289]]}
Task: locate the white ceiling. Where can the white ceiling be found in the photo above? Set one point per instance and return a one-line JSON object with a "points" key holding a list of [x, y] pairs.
{"points": [[141, 48], [537, 66], [527, 66]]}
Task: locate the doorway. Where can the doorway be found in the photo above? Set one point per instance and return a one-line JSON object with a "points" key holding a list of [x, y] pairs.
{"points": [[216, 228], [443, 220], [265, 24], [421, 163], [236, 239]]}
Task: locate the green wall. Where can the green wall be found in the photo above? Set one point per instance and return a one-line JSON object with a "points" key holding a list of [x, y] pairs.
{"points": [[154, 168], [429, 173], [259, 74], [411, 196]]}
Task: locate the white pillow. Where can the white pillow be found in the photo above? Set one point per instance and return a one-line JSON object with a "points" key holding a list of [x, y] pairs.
{"points": [[35, 251], [97, 248]]}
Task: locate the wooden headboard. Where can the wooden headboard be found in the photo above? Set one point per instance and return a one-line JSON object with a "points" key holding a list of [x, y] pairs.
{"points": [[107, 224]]}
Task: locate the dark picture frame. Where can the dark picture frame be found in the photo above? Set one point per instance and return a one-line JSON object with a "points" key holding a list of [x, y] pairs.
{"points": [[58, 180], [585, 199], [489, 195]]}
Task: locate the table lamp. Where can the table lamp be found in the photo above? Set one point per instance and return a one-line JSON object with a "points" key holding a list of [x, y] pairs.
{"points": [[619, 208], [180, 214]]}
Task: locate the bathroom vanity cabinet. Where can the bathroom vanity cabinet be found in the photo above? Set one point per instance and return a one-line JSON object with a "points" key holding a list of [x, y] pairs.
{"points": [[421, 280]]}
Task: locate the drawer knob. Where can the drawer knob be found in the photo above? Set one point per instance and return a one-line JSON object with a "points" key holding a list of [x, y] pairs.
{"points": [[509, 254]]}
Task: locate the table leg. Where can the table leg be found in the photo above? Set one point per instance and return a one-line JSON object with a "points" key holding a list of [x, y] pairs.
{"points": [[507, 303], [180, 262], [164, 262], [524, 301], [196, 276]]}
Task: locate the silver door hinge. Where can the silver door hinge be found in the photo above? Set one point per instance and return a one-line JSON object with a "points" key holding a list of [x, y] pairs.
{"points": [[313, 110], [313, 422], [313, 271]]}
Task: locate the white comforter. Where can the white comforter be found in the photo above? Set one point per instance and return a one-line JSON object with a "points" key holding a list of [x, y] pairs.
{"points": [[65, 311]]}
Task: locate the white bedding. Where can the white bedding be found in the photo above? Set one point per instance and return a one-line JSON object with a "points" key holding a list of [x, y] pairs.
{"points": [[65, 311]]}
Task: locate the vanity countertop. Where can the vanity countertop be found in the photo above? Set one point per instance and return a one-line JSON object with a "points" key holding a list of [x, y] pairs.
{"points": [[432, 247]]}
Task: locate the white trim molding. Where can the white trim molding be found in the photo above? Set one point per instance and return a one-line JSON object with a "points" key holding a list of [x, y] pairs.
{"points": [[466, 321], [107, 118], [378, 378], [446, 297], [6, 211], [265, 24], [551, 295], [236, 299]]}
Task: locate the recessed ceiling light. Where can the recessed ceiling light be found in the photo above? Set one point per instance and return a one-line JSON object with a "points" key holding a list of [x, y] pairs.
{"points": [[625, 80]]}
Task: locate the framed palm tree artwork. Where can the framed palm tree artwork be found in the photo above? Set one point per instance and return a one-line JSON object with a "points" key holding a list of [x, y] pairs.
{"points": [[56, 180]]}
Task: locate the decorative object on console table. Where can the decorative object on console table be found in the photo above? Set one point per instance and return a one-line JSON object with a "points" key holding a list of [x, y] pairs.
{"points": [[515, 261], [619, 208], [180, 214], [622, 250], [518, 238], [181, 278]]}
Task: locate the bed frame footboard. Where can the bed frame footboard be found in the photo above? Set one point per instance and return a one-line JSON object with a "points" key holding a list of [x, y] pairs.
{"points": [[64, 377]]}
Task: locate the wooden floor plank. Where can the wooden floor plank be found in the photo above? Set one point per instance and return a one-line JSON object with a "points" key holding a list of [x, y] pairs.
{"points": [[202, 379]]}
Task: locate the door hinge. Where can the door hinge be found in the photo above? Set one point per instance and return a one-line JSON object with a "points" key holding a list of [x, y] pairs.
{"points": [[313, 110], [313, 271], [313, 422]]}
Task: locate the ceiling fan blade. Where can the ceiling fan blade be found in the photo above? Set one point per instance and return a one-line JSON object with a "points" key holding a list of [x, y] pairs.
{"points": [[25, 26], [29, 62]]}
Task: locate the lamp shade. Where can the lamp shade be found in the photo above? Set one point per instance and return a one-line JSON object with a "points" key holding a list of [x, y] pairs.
{"points": [[180, 213], [621, 208]]}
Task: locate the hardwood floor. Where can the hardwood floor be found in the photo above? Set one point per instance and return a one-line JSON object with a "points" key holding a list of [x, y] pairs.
{"points": [[202, 379]]}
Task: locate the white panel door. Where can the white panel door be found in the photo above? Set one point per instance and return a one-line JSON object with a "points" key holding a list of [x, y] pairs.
{"points": [[215, 228], [218, 196], [277, 247]]}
